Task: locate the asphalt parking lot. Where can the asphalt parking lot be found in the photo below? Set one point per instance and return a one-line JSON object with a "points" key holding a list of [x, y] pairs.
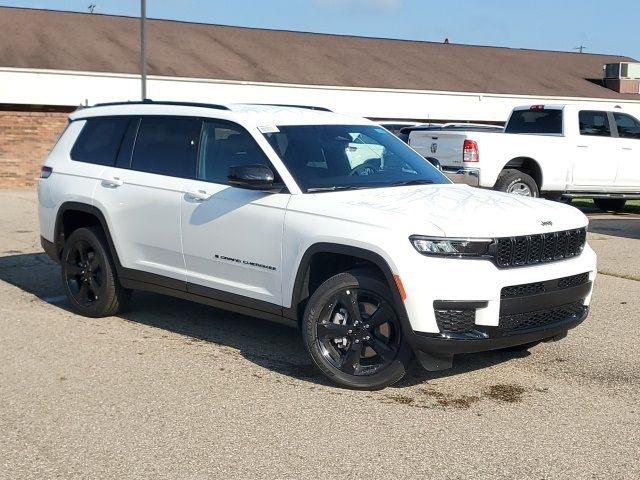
{"points": [[172, 389]]}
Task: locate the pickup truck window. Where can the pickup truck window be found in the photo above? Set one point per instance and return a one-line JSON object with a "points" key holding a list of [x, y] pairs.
{"points": [[594, 123], [628, 127], [535, 121]]}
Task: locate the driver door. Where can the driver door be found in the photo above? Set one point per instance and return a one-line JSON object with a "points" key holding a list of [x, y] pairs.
{"points": [[232, 237]]}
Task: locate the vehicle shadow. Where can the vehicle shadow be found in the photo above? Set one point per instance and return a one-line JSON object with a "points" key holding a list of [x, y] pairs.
{"points": [[275, 347], [625, 227]]}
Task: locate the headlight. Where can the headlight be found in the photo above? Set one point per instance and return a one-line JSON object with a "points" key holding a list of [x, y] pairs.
{"points": [[451, 247]]}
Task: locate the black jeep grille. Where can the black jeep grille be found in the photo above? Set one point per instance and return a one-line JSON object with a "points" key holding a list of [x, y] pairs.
{"points": [[514, 324], [533, 249]]}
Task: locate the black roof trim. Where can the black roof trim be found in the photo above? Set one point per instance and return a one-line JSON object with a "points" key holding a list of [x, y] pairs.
{"points": [[148, 101], [307, 107]]}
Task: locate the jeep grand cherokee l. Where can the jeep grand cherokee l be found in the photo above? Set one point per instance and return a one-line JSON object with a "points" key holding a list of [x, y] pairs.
{"points": [[261, 210]]}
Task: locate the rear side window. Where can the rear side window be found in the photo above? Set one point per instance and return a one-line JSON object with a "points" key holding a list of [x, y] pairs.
{"points": [[594, 123], [535, 121], [167, 146], [100, 140], [628, 127]]}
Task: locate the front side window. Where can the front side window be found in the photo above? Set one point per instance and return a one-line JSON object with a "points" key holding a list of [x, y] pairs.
{"points": [[594, 123], [628, 127], [223, 145], [100, 140], [167, 146], [332, 157]]}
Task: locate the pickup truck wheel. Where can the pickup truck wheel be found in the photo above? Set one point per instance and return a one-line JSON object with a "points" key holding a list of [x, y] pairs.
{"points": [[610, 204], [352, 331], [517, 182], [89, 277]]}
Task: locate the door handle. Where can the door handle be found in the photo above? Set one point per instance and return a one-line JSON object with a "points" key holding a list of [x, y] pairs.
{"points": [[627, 148], [197, 196], [114, 182], [583, 146]]}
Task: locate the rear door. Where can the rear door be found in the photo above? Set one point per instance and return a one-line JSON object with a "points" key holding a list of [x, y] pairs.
{"points": [[142, 194], [596, 159], [628, 146], [232, 237]]}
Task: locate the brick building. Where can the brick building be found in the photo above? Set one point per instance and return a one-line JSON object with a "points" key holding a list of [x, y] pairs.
{"points": [[51, 62]]}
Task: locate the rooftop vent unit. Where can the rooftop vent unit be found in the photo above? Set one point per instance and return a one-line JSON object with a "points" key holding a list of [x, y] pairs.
{"points": [[622, 77]]}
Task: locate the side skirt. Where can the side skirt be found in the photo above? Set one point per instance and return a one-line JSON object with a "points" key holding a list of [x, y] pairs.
{"points": [[207, 296]]}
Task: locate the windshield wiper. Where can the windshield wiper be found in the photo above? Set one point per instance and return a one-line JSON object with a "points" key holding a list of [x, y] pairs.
{"points": [[333, 188], [413, 182]]}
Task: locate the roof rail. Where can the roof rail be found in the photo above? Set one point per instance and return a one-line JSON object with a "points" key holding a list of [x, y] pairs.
{"points": [[307, 107], [148, 101]]}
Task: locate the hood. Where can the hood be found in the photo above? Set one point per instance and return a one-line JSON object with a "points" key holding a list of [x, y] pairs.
{"points": [[463, 211]]}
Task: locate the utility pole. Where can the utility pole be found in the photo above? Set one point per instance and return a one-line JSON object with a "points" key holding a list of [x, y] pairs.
{"points": [[580, 48], [143, 47]]}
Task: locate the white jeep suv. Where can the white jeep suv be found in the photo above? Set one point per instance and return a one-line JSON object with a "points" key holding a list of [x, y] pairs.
{"points": [[260, 210]]}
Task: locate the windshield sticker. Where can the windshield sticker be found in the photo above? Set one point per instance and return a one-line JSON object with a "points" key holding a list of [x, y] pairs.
{"points": [[268, 129], [381, 130]]}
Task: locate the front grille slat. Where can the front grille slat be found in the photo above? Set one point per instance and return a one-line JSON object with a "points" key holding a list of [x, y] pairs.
{"points": [[541, 248]]}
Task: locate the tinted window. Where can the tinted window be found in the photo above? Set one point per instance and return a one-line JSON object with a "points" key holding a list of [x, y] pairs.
{"points": [[126, 147], [628, 127], [223, 145], [594, 123], [332, 157], [167, 146], [535, 121], [100, 140]]}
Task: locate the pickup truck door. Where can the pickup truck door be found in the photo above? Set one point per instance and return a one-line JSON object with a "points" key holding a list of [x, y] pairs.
{"points": [[596, 158], [628, 175], [232, 237]]}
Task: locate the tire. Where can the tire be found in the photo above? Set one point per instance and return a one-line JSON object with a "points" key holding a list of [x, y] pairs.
{"points": [[610, 204], [517, 182], [359, 348], [89, 277]]}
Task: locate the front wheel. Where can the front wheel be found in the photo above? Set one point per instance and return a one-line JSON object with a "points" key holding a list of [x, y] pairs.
{"points": [[352, 331], [517, 182]]}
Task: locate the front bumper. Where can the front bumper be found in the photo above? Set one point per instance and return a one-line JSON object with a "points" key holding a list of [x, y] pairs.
{"points": [[467, 176]]}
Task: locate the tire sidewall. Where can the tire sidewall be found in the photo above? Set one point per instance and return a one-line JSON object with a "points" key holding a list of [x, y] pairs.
{"points": [[509, 179], [389, 375]]}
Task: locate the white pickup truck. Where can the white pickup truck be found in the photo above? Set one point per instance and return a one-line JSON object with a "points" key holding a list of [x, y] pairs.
{"points": [[545, 150]]}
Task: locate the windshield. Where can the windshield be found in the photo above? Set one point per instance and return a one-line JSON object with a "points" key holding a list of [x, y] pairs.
{"points": [[335, 157]]}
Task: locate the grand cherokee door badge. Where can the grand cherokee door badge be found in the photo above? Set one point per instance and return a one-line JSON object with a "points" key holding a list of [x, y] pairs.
{"points": [[248, 263]]}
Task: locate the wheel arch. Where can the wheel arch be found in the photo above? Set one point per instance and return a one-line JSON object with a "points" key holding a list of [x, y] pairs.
{"points": [[347, 257], [74, 215], [526, 165]]}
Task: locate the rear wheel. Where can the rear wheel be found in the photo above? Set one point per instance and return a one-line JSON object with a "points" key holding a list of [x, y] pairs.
{"points": [[610, 204], [517, 182], [89, 276], [352, 331]]}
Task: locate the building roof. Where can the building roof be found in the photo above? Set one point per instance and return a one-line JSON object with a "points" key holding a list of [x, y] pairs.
{"points": [[44, 39]]}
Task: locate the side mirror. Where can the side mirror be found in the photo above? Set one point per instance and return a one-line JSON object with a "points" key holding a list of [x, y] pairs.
{"points": [[254, 177]]}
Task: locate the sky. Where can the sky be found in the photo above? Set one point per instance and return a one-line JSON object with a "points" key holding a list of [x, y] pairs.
{"points": [[600, 26]]}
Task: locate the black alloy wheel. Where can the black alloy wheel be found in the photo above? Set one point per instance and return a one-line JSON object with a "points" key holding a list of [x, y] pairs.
{"points": [[84, 273], [353, 332], [89, 276]]}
